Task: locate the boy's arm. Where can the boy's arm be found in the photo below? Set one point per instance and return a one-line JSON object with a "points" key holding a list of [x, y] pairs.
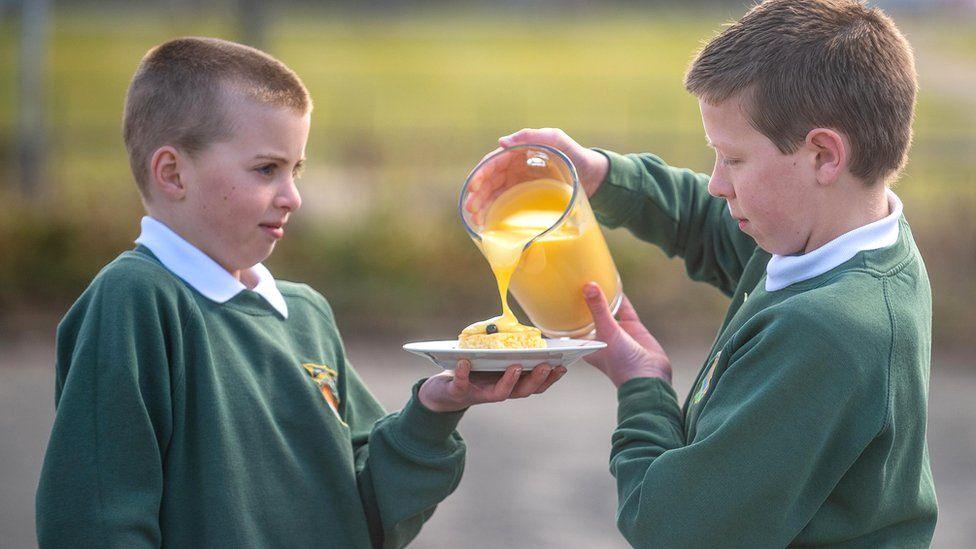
{"points": [[102, 477], [406, 462], [783, 424], [671, 207]]}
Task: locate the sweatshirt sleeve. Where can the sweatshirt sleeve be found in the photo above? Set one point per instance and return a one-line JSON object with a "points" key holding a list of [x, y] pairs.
{"points": [[102, 478], [671, 208], [782, 425], [406, 462]]}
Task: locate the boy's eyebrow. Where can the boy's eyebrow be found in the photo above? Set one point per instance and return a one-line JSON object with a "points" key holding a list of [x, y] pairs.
{"points": [[725, 147], [277, 158]]}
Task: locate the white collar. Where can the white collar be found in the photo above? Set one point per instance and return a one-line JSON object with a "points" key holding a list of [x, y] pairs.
{"points": [[200, 271], [781, 271]]}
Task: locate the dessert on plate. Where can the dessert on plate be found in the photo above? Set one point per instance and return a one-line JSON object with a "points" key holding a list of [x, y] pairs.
{"points": [[496, 333]]}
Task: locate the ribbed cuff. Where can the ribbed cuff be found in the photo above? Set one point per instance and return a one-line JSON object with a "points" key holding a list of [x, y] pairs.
{"points": [[420, 428], [617, 198], [647, 394]]}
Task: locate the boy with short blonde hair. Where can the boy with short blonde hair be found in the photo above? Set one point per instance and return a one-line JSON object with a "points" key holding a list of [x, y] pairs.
{"points": [[202, 403], [806, 423]]}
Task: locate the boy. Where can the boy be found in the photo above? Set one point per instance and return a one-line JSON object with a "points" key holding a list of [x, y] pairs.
{"points": [[201, 403], [806, 424]]}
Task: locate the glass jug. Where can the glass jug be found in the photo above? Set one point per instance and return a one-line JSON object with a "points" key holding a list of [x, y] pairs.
{"points": [[534, 190]]}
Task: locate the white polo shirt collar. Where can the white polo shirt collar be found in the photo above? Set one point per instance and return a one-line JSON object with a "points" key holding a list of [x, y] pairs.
{"points": [[782, 271], [200, 271]]}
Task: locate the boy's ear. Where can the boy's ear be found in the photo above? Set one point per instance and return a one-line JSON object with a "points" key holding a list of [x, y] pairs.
{"points": [[831, 150], [164, 172]]}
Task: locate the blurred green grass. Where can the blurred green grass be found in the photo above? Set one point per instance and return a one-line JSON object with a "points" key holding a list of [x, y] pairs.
{"points": [[405, 105]]}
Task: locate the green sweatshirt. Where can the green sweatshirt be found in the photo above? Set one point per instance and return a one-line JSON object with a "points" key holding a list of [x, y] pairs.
{"points": [[806, 424], [182, 422]]}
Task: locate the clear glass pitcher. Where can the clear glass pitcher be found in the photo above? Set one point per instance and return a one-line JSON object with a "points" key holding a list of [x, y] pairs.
{"points": [[534, 190]]}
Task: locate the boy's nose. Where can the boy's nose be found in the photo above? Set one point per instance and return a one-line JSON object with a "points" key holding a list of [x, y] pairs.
{"points": [[289, 198], [718, 185]]}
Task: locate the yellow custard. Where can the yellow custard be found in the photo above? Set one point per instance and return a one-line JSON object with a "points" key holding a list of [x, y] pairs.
{"points": [[547, 278], [502, 245]]}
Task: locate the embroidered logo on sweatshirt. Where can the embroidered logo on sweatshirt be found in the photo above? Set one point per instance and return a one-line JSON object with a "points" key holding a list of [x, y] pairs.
{"points": [[325, 378], [707, 381]]}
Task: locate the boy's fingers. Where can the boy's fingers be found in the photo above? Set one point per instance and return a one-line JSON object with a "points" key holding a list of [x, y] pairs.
{"points": [[529, 384], [511, 139], [485, 157], [487, 170], [602, 317], [546, 136], [555, 375], [462, 374], [523, 136], [506, 384]]}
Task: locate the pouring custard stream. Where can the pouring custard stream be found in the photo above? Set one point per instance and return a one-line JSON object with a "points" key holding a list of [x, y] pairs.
{"points": [[520, 214]]}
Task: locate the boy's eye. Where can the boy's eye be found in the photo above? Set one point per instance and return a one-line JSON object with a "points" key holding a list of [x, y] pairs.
{"points": [[267, 169], [297, 172], [730, 161]]}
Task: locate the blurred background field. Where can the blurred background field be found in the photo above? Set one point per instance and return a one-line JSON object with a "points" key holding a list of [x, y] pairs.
{"points": [[408, 96], [407, 101]]}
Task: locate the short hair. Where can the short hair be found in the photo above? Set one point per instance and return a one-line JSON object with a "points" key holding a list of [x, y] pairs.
{"points": [[803, 64], [178, 94]]}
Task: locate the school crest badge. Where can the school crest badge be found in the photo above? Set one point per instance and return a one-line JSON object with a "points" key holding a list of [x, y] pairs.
{"points": [[707, 380], [325, 378]]}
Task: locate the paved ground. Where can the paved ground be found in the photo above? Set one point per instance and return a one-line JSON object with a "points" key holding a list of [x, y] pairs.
{"points": [[537, 469]]}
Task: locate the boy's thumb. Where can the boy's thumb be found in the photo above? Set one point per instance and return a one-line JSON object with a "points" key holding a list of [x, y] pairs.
{"points": [[599, 309]]}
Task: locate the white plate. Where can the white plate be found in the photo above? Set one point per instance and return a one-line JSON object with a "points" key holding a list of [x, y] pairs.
{"points": [[558, 352]]}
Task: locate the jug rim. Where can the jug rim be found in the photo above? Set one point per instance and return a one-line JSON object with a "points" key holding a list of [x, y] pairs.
{"points": [[559, 154]]}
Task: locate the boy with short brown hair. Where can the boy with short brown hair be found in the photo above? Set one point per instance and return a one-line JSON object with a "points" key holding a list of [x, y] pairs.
{"points": [[201, 402], [806, 423]]}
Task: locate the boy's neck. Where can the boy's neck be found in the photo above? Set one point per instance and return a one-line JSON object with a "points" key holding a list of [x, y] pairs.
{"points": [[847, 209], [245, 276]]}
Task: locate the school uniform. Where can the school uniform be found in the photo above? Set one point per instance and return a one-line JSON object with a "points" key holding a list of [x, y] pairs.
{"points": [[806, 423], [194, 412]]}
